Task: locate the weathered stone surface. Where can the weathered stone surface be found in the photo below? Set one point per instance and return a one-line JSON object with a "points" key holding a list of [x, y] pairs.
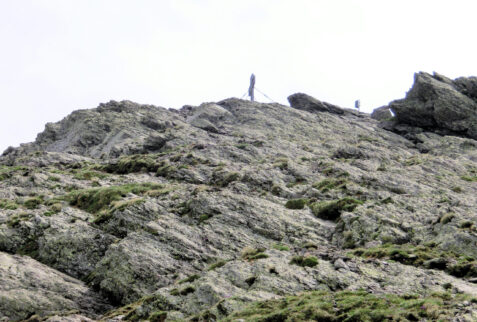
{"points": [[29, 288], [201, 217]]}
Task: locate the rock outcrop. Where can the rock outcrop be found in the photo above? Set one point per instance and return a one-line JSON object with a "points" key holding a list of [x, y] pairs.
{"points": [[197, 213], [438, 104], [111, 130], [310, 104]]}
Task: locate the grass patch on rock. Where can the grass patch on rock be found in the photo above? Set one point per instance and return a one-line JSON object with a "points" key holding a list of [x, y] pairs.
{"points": [[423, 256], [151, 308], [330, 184], [469, 178], [250, 253], [281, 247], [352, 306], [309, 261], [189, 279], [8, 204], [15, 220], [7, 172], [33, 202], [217, 264], [97, 199], [296, 203], [134, 163]]}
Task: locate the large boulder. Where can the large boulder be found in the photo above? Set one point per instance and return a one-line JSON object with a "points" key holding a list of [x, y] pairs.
{"points": [[382, 113], [437, 103], [307, 103]]}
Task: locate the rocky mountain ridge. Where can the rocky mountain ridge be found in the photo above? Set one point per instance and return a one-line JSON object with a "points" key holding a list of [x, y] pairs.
{"points": [[137, 212]]}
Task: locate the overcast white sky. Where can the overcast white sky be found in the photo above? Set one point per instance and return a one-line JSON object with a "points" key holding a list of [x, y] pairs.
{"points": [[60, 55]]}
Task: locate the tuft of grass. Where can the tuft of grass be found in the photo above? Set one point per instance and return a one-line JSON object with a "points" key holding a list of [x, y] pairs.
{"points": [[15, 220], [204, 217], [242, 146], [281, 247], [6, 172], [469, 178], [189, 279], [134, 163], [423, 256], [250, 253], [330, 184], [33, 202], [228, 178], [166, 170], [414, 160], [217, 264], [457, 189], [98, 199], [296, 203], [53, 178], [105, 215], [160, 192], [8, 204], [281, 163], [447, 218], [88, 174], [331, 210], [309, 261], [258, 256]]}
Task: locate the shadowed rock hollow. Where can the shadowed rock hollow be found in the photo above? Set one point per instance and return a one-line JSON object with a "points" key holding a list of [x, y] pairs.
{"points": [[137, 212]]}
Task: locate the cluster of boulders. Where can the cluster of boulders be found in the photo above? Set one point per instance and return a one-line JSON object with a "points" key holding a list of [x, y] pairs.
{"points": [[435, 103]]}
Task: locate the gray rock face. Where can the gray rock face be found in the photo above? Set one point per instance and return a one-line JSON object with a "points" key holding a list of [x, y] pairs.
{"points": [[437, 103], [211, 207]]}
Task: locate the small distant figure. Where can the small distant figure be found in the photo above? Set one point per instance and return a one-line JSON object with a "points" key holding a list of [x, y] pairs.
{"points": [[251, 89], [357, 104]]}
